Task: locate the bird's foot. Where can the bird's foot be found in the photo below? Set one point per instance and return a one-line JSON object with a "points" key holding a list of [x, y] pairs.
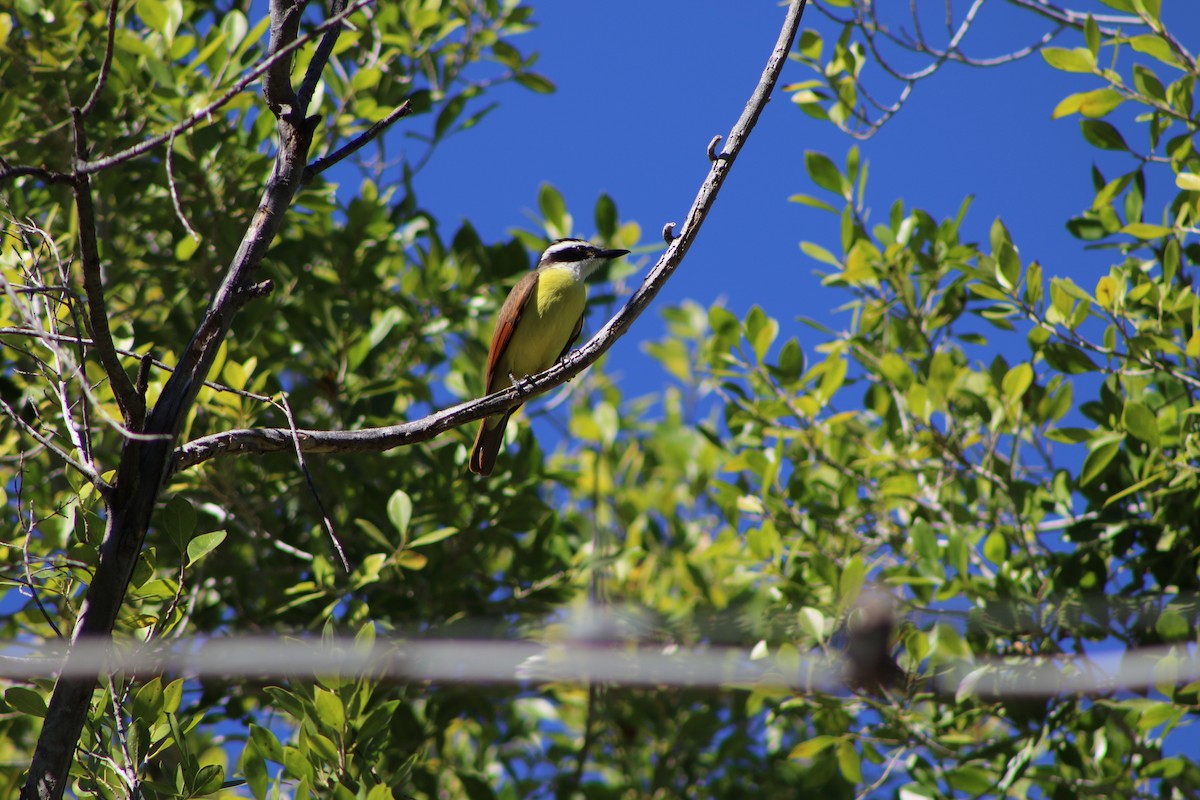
{"points": [[522, 384]]}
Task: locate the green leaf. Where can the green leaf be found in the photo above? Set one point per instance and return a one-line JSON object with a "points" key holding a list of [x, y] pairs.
{"points": [[808, 200], [330, 710], [1141, 422], [1096, 103], [851, 580], [202, 545], [1146, 82], [1080, 59], [553, 208], [1101, 455], [254, 768], [154, 14], [824, 172], [995, 548], [1156, 47], [1146, 231], [209, 779], [1068, 358], [26, 701], [925, 546], [791, 362], [266, 742], [1016, 382], [148, 702], [1069, 435], [810, 44], [448, 115], [1034, 287], [1171, 626], [818, 253], [399, 512], [1091, 34], [761, 331], [807, 749], [536, 82], [179, 519], [763, 541], [435, 536], [1102, 135], [1188, 181], [606, 217]]}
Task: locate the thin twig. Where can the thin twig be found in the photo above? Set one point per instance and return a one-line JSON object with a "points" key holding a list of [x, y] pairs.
{"points": [[312, 486], [33, 589], [175, 191], [8, 171], [374, 440], [141, 148], [154, 362], [49, 444], [132, 405], [105, 65], [325, 162], [589, 733], [146, 459], [308, 87]]}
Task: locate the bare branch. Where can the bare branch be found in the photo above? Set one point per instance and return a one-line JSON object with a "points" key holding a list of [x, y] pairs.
{"points": [[862, 122], [105, 65], [174, 192], [49, 444], [312, 486], [324, 50], [325, 162], [144, 361], [8, 171], [132, 405], [146, 458], [277, 81], [373, 440], [142, 148]]}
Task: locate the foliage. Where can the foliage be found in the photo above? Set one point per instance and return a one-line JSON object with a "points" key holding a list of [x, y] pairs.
{"points": [[981, 437]]}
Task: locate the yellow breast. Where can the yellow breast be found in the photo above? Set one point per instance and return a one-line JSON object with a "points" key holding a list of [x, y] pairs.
{"points": [[546, 324]]}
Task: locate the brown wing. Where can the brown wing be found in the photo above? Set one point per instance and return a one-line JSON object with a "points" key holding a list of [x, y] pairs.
{"points": [[506, 323]]}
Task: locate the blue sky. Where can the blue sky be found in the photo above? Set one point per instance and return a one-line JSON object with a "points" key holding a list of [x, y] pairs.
{"points": [[643, 87]]}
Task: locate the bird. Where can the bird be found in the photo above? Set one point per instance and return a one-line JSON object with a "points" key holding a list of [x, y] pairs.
{"points": [[540, 319]]}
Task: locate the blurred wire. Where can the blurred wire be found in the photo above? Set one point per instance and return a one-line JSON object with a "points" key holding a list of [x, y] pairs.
{"points": [[609, 645]]}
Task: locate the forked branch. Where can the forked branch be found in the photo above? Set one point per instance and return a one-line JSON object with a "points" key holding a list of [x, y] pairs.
{"points": [[373, 440]]}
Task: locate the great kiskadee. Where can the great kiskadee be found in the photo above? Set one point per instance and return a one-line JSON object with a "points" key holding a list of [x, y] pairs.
{"points": [[537, 325]]}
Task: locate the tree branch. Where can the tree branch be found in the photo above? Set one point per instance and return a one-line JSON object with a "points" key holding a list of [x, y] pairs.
{"points": [[145, 459], [373, 440], [325, 162], [8, 171], [141, 148], [337, 10], [132, 404], [106, 65]]}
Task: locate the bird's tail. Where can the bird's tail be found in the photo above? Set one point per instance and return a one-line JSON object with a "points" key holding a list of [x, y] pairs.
{"points": [[487, 444]]}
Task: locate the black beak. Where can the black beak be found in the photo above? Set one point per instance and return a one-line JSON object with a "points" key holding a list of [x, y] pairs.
{"points": [[611, 254]]}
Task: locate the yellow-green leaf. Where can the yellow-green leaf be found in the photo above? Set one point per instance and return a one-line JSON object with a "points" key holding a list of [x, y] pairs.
{"points": [[812, 747], [202, 545], [1188, 181], [1140, 421], [1096, 103], [1079, 59], [1016, 382], [1144, 230]]}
